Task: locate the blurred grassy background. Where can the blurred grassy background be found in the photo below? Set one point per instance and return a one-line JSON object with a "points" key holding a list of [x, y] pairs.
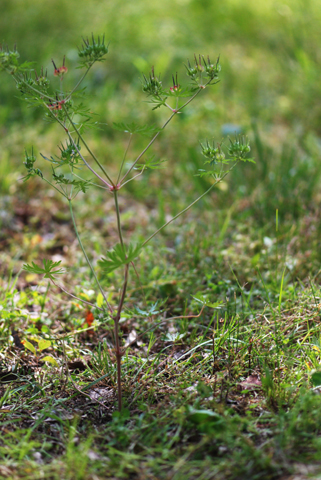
{"points": [[270, 89]]}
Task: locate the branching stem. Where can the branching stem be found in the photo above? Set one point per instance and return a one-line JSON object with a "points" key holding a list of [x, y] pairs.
{"points": [[163, 127], [74, 296], [190, 205], [87, 148], [124, 157]]}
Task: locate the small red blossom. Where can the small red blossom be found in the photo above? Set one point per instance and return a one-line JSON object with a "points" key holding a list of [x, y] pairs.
{"points": [[55, 106], [175, 86], [89, 318], [59, 72]]}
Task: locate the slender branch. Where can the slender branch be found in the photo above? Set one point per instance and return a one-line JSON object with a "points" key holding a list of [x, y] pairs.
{"points": [[165, 124], [190, 205], [88, 261], [118, 351], [74, 296], [124, 157], [135, 176], [168, 106], [61, 192], [90, 183], [146, 148], [41, 94], [86, 163], [200, 88], [78, 83], [78, 151], [86, 146]]}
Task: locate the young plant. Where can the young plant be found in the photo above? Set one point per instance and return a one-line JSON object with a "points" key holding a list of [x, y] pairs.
{"points": [[61, 106]]}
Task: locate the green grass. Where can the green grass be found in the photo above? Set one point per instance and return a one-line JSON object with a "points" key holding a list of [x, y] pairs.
{"points": [[229, 394], [191, 406]]}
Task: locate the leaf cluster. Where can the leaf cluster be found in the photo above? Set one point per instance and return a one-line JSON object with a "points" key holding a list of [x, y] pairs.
{"points": [[151, 164], [153, 310], [25, 81], [68, 156], [203, 68], [47, 270], [9, 61], [29, 164], [118, 257], [92, 51], [237, 149], [79, 185]]}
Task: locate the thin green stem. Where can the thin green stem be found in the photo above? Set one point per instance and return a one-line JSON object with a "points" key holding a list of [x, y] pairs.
{"points": [[79, 82], [87, 147], [168, 106], [60, 191], [135, 176], [118, 220], [192, 98], [78, 151], [124, 157], [190, 205], [41, 94], [89, 183], [74, 296], [146, 148], [87, 164], [122, 298], [88, 261], [118, 361], [163, 127], [118, 351]]}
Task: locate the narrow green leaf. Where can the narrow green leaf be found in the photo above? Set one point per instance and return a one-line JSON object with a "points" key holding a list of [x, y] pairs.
{"points": [[117, 257], [47, 271]]}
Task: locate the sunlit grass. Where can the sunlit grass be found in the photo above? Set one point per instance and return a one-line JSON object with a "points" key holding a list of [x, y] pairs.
{"points": [[227, 250]]}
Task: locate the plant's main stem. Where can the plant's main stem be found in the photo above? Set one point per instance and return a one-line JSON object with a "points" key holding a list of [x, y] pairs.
{"points": [[118, 220], [118, 361], [118, 351]]}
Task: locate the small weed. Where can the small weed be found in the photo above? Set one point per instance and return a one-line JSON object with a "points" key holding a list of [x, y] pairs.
{"points": [[60, 107]]}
